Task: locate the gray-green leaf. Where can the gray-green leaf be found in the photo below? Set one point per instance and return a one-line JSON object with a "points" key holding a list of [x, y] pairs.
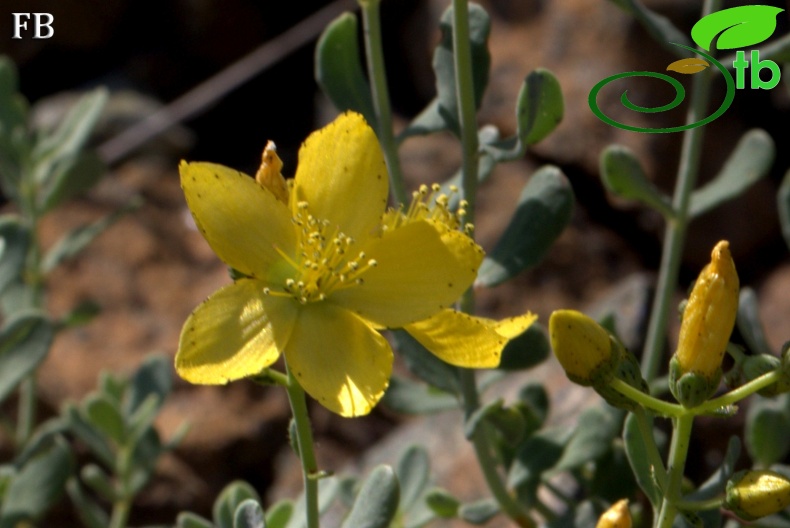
{"points": [[622, 174], [377, 502], [544, 209], [24, 343], [750, 161]]}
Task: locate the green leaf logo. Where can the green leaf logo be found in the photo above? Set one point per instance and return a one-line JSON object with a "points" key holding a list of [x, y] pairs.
{"points": [[737, 27]]}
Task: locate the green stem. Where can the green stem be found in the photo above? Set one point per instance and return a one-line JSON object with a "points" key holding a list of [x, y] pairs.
{"points": [[371, 23], [120, 513], [645, 400], [646, 430], [304, 442], [678, 451], [740, 393], [464, 83], [467, 113], [675, 234]]}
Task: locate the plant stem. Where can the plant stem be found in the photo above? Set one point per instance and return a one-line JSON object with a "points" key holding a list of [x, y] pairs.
{"points": [[120, 513], [464, 83], [681, 433], [304, 442], [675, 233], [371, 23], [467, 113]]}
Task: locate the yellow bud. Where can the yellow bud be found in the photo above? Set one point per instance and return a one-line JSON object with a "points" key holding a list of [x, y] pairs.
{"points": [[582, 347], [755, 494], [709, 316], [618, 516], [269, 175]]}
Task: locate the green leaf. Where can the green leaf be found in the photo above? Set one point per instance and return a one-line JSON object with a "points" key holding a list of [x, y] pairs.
{"points": [[539, 109], [100, 482], [24, 343], [622, 174], [749, 324], [425, 365], [412, 471], [90, 513], [105, 416], [409, 397], [637, 457], [750, 161], [73, 242], [15, 241], [279, 514], [153, 377], [442, 112], [249, 514], [783, 204], [70, 137], [338, 68], [191, 520], [229, 499], [80, 315], [479, 512], [536, 454], [596, 430], [13, 107], [442, 503], [528, 350], [737, 27], [80, 427], [37, 485], [544, 209], [766, 427], [377, 502], [70, 177], [533, 403]]}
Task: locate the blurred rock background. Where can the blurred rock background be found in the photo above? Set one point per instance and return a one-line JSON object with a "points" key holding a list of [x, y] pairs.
{"points": [[152, 268]]}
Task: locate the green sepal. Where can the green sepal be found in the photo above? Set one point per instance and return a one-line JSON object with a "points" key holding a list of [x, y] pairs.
{"points": [[338, 68], [691, 389], [626, 368]]}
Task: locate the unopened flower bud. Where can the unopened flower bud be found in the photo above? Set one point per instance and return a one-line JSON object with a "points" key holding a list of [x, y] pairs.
{"points": [[618, 516], [582, 347], [592, 357], [755, 494], [708, 320]]}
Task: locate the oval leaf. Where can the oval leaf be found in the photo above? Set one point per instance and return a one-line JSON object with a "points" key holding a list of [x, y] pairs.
{"points": [[688, 66], [767, 423], [24, 343], [738, 27], [377, 502], [249, 514], [338, 68], [750, 161], [622, 174], [15, 240], [544, 209]]}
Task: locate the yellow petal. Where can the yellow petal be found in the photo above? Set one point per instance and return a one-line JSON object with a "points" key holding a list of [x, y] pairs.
{"points": [[242, 222], [338, 359], [415, 277], [237, 332], [342, 176], [467, 341]]}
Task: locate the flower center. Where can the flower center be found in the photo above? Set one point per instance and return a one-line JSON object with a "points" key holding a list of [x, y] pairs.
{"points": [[325, 261], [429, 203]]}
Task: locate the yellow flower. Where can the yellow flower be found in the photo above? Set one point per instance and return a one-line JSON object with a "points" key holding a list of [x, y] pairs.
{"points": [[325, 268], [618, 516], [755, 494], [708, 320]]}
